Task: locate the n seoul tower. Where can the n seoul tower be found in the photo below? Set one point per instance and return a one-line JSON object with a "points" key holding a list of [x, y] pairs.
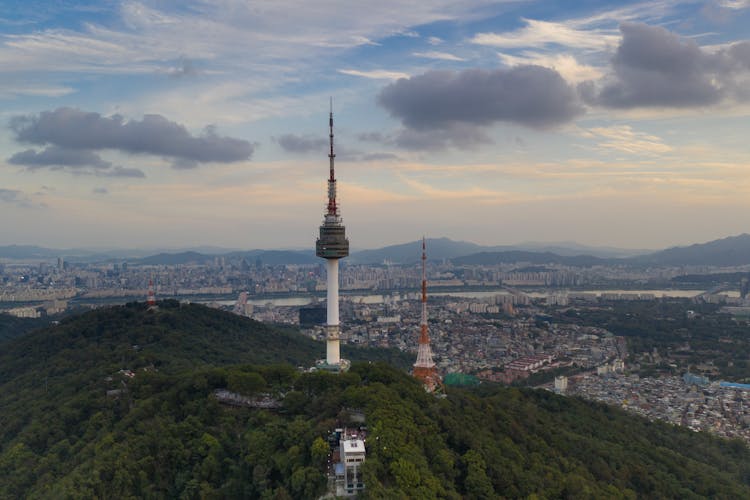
{"points": [[332, 245]]}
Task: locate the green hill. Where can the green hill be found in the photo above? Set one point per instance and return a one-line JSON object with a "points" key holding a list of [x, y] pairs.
{"points": [[73, 426], [11, 327]]}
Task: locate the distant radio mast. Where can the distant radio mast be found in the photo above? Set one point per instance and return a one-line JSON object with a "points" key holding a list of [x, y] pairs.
{"points": [[332, 245], [424, 369], [151, 296]]}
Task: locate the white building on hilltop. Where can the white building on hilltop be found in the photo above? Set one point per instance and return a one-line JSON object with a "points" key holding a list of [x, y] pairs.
{"points": [[349, 479]]}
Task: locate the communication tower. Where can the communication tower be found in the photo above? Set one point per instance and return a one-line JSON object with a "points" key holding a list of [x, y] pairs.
{"points": [[332, 245], [424, 368], [151, 296]]}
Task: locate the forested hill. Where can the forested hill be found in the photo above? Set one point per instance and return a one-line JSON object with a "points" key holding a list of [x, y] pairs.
{"points": [[172, 338], [73, 426], [11, 326]]}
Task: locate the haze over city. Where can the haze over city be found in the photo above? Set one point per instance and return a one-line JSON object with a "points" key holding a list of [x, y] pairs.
{"points": [[156, 125]]}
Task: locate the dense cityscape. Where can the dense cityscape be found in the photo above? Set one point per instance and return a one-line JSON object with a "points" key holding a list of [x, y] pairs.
{"points": [[500, 323]]}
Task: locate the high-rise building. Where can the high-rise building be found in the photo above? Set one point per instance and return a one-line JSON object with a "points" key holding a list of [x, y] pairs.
{"points": [[332, 245]]}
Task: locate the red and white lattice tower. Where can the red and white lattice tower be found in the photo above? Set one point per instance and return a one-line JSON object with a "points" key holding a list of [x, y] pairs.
{"points": [[151, 297], [424, 368]]}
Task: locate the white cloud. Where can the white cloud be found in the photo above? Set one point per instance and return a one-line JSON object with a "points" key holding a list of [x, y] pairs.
{"points": [[234, 32], [735, 4], [624, 139], [565, 64], [35, 90], [542, 34], [377, 74], [443, 56]]}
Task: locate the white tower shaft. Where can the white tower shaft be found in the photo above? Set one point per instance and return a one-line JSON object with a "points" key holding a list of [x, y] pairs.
{"points": [[332, 300]]}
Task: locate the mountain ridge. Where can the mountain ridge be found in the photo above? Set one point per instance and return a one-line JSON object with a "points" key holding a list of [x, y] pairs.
{"points": [[729, 251]]}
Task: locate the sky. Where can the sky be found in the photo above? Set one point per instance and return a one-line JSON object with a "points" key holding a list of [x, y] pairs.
{"points": [[166, 124]]}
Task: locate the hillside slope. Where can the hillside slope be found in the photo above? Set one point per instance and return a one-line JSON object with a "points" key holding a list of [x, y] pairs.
{"points": [[161, 433], [730, 251]]}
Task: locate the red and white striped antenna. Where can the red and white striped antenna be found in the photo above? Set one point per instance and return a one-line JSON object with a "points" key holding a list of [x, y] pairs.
{"points": [[151, 297]]}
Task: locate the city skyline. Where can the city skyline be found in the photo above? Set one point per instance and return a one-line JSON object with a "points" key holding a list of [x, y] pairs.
{"points": [[139, 124]]}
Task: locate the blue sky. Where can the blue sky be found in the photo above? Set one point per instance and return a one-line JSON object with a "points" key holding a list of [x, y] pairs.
{"points": [[168, 124]]}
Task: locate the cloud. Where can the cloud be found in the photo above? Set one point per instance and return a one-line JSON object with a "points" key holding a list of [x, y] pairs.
{"points": [[57, 156], [74, 129], [371, 137], [656, 68], [100, 190], [183, 69], [441, 56], [544, 33], [122, 172], [735, 4], [378, 74], [34, 90], [433, 40], [457, 135], [77, 161], [292, 143], [531, 96], [565, 64], [18, 198], [624, 139], [379, 157]]}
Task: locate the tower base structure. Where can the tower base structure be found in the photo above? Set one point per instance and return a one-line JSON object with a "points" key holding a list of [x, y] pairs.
{"points": [[342, 366], [430, 379]]}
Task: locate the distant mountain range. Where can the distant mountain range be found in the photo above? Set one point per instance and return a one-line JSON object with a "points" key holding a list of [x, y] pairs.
{"points": [[731, 251]]}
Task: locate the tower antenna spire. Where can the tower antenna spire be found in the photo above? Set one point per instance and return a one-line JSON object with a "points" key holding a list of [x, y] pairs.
{"points": [[332, 207]]}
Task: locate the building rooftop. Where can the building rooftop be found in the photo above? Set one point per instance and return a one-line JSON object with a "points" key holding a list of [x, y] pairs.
{"points": [[353, 446]]}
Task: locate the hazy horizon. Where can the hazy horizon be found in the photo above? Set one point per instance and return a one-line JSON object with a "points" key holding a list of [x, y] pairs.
{"points": [[148, 125], [208, 248]]}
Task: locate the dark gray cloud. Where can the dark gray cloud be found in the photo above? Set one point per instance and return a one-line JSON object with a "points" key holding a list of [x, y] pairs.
{"points": [[379, 157], [18, 198], [371, 137], [80, 162], [121, 172], [57, 156], [292, 143], [531, 96], [75, 129], [656, 68], [459, 136]]}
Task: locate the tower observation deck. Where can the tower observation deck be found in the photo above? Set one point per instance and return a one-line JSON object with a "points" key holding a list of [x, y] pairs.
{"points": [[332, 245]]}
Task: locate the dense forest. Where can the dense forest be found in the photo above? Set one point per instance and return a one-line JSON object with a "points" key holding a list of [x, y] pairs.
{"points": [[11, 326], [73, 425]]}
